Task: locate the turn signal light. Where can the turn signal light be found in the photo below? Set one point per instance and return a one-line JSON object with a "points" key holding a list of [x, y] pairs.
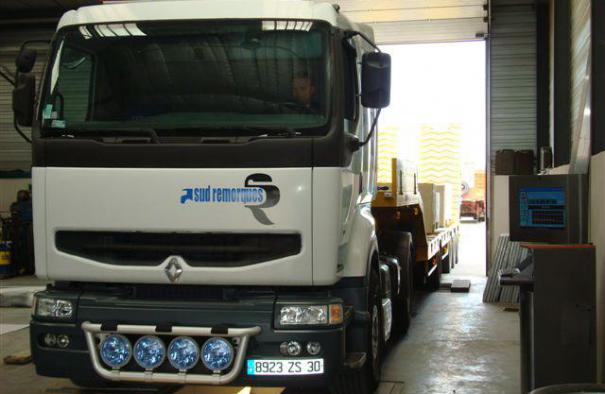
{"points": [[336, 314]]}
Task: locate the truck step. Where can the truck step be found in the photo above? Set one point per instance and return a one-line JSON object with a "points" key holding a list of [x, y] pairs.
{"points": [[355, 360], [460, 286]]}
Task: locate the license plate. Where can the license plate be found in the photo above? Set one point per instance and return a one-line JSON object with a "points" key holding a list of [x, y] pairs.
{"points": [[304, 366]]}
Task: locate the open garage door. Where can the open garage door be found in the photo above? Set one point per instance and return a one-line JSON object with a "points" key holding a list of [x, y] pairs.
{"points": [[420, 21]]}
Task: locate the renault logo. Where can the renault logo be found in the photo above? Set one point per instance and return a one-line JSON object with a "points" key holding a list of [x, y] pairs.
{"points": [[173, 270]]}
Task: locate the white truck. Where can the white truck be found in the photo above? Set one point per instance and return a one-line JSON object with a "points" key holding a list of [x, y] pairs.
{"points": [[203, 178]]}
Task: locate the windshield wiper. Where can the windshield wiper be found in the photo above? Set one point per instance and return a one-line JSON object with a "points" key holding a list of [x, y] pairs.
{"points": [[125, 135], [250, 133], [208, 134], [279, 132], [268, 132], [253, 131]]}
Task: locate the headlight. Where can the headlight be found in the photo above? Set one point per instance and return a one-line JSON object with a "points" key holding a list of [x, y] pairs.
{"points": [[310, 315], [149, 352], [53, 307], [183, 353], [303, 315], [217, 354], [116, 350]]}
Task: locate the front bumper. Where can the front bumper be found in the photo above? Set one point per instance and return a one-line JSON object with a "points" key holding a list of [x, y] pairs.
{"points": [[253, 317]]}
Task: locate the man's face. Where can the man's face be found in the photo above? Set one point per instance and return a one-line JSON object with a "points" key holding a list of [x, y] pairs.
{"points": [[303, 90]]}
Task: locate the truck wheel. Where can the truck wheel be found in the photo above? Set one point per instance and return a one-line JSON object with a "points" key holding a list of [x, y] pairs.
{"points": [[402, 309], [404, 302], [434, 281], [400, 245], [446, 265], [365, 380]]}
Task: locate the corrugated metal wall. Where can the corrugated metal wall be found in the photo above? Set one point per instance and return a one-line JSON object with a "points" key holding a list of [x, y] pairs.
{"points": [[513, 75], [15, 153]]}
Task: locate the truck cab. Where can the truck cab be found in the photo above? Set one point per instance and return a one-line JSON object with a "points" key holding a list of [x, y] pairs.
{"points": [[203, 173]]}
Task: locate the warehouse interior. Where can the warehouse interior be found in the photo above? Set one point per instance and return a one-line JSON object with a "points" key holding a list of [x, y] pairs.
{"points": [[544, 115]]}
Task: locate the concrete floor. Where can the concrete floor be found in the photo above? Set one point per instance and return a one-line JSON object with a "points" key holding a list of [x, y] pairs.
{"points": [[456, 343], [472, 250]]}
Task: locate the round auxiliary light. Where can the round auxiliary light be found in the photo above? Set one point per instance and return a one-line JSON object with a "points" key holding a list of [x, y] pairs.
{"points": [[293, 348], [313, 348], [50, 339], [63, 341], [183, 353], [217, 354], [116, 350], [149, 351]]}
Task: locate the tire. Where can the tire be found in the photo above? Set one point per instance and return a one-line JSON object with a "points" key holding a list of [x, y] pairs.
{"points": [[365, 380], [434, 281], [403, 303], [446, 265], [400, 244], [402, 308]]}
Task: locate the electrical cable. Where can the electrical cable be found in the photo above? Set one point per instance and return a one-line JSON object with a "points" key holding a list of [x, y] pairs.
{"points": [[21, 133], [5, 75], [371, 134]]}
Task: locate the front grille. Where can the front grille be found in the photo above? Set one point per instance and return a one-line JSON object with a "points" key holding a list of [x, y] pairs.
{"points": [[197, 249]]}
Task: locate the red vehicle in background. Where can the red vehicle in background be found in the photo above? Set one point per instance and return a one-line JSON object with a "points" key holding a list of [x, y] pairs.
{"points": [[473, 208], [473, 200]]}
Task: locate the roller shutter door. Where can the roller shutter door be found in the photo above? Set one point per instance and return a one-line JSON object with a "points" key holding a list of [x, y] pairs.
{"points": [[512, 46], [15, 153]]}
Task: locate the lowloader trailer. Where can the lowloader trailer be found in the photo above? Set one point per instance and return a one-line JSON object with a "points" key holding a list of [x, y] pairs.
{"points": [[206, 201]]}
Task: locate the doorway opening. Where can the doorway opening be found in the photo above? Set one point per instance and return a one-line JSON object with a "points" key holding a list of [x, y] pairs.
{"points": [[438, 112]]}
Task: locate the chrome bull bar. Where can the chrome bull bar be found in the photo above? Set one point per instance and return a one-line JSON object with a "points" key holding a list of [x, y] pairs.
{"points": [[180, 377]]}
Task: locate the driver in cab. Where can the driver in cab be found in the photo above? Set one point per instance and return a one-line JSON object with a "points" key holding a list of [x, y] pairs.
{"points": [[303, 91]]}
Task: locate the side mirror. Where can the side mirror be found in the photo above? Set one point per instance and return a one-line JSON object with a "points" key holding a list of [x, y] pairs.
{"points": [[25, 60], [24, 95], [376, 80]]}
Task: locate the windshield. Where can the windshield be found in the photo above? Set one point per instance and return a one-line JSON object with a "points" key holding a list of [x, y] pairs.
{"points": [[205, 75]]}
